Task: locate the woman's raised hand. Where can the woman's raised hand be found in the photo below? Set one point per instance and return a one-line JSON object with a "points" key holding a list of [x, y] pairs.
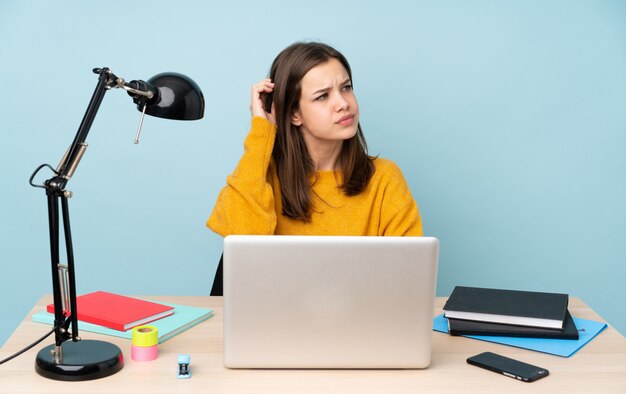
{"points": [[257, 108]]}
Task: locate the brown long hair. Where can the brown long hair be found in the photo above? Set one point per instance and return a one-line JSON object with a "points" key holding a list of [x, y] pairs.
{"points": [[293, 162]]}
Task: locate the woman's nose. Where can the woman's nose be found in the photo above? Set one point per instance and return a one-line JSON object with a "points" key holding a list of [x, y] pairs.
{"points": [[341, 103]]}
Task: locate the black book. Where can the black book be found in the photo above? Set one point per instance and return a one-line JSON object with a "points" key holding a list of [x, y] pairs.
{"points": [[522, 308], [469, 327]]}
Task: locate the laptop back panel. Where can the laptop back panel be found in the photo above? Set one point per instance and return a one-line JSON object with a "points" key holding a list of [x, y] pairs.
{"points": [[328, 301]]}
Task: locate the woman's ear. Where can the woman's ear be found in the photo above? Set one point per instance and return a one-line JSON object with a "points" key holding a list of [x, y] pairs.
{"points": [[296, 118]]}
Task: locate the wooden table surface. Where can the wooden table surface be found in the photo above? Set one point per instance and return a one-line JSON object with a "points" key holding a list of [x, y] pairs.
{"points": [[599, 367]]}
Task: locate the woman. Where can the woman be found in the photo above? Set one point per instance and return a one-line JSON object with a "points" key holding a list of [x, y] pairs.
{"points": [[305, 168]]}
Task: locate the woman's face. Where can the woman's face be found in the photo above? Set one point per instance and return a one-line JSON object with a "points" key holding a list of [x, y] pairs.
{"points": [[328, 110]]}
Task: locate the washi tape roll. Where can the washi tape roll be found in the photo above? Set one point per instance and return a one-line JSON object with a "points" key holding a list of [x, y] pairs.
{"points": [[145, 336], [139, 353]]}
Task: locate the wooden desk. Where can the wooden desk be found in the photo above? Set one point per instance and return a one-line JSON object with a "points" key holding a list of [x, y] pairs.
{"points": [[598, 367]]}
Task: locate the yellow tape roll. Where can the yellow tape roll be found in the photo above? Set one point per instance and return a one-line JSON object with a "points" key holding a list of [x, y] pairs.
{"points": [[145, 336]]}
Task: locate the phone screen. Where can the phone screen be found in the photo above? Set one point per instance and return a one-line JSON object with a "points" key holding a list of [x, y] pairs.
{"points": [[509, 367]]}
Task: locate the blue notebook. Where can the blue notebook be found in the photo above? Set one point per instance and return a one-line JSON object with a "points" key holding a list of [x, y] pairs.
{"points": [[587, 330], [184, 318]]}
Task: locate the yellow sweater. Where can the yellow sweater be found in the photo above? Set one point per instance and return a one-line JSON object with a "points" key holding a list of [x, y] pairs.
{"points": [[250, 203]]}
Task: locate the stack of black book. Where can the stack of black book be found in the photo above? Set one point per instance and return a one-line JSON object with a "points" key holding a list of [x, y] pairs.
{"points": [[495, 312]]}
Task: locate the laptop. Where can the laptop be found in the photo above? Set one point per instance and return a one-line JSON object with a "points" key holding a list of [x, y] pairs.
{"points": [[328, 301]]}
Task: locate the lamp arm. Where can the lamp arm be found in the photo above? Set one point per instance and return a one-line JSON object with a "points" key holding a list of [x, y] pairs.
{"points": [[55, 191], [70, 160], [63, 278]]}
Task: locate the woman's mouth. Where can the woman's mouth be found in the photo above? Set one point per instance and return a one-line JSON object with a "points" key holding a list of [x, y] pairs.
{"points": [[346, 120]]}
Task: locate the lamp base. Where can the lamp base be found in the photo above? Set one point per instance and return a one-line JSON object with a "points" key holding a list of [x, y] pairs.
{"points": [[83, 360]]}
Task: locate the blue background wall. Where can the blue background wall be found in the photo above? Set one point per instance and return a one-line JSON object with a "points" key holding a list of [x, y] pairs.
{"points": [[507, 118]]}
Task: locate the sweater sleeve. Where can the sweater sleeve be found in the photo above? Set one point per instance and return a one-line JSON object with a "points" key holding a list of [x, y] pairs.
{"points": [[246, 204], [400, 216]]}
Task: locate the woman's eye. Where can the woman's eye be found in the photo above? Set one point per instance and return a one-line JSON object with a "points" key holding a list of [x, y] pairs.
{"points": [[347, 88], [322, 97]]}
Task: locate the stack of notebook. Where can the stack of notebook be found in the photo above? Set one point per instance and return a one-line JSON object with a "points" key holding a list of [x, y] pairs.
{"points": [[495, 312], [113, 314]]}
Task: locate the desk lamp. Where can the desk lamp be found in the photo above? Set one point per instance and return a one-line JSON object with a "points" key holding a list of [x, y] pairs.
{"points": [[166, 95]]}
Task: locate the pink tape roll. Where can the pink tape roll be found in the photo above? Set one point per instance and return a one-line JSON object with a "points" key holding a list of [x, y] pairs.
{"points": [[139, 353]]}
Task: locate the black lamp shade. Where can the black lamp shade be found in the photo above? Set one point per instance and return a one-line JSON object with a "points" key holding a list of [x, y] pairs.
{"points": [[177, 97]]}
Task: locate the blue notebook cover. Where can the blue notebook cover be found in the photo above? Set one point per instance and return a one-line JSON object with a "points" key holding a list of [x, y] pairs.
{"points": [[587, 330], [184, 318]]}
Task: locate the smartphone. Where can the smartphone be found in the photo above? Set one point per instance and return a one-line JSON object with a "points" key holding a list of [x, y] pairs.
{"points": [[508, 367]]}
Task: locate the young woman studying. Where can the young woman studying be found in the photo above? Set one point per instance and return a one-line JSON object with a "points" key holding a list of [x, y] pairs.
{"points": [[305, 169]]}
